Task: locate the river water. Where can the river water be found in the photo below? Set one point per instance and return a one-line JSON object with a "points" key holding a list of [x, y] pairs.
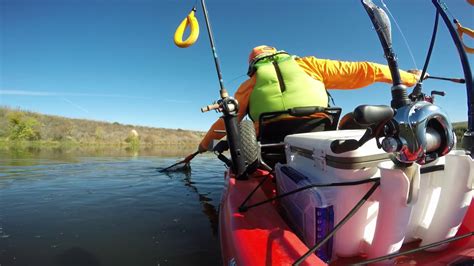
{"points": [[109, 208]]}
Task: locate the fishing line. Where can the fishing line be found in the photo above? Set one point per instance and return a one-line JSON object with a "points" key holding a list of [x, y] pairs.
{"points": [[401, 33], [236, 78], [445, 8]]}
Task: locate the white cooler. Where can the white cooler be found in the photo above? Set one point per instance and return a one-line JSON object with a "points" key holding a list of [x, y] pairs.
{"points": [[428, 204]]}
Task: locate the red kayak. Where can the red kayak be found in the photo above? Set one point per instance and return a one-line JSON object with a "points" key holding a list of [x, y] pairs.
{"points": [[261, 236], [390, 187]]}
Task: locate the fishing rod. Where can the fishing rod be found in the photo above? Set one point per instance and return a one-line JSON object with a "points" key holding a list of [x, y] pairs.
{"points": [[417, 91], [223, 92], [468, 138], [382, 26], [226, 104], [229, 107]]}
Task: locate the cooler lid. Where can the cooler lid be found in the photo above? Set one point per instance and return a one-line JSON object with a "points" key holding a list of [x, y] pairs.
{"points": [[316, 145]]}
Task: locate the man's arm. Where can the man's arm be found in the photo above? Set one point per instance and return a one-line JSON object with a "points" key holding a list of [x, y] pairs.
{"points": [[351, 75], [242, 95]]}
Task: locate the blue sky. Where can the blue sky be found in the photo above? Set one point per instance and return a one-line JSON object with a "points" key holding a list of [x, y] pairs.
{"points": [[115, 60]]}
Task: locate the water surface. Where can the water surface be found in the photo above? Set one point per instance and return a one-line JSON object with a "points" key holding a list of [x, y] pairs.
{"points": [[71, 208]]}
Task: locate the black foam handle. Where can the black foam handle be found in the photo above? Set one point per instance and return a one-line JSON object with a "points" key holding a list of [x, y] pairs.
{"points": [[340, 146], [440, 93], [304, 111], [372, 114]]}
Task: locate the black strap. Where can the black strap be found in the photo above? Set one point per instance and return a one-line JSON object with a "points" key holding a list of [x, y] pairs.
{"points": [[252, 69], [330, 99]]}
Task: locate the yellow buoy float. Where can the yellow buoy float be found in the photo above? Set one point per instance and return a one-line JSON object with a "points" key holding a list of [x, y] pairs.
{"points": [[192, 22]]}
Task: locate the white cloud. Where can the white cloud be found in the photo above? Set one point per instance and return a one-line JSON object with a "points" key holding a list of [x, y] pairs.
{"points": [[177, 101], [76, 105], [47, 93]]}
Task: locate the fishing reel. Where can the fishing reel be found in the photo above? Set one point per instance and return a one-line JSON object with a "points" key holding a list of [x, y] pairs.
{"points": [[413, 128], [226, 105], [424, 97], [418, 132]]}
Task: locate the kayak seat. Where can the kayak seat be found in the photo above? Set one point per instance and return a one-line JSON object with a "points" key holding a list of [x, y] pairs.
{"points": [[275, 126], [348, 122]]}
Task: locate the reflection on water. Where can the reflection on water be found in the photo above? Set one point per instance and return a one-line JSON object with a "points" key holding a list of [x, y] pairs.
{"points": [[9, 153], [206, 203], [59, 207]]}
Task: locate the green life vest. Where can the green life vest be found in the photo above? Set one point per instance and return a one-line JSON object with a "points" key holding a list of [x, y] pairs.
{"points": [[281, 84]]}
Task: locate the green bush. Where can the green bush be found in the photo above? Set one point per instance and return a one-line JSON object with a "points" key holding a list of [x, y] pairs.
{"points": [[133, 139], [22, 127]]}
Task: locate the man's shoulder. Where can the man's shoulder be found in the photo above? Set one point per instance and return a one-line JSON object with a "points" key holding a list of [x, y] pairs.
{"points": [[306, 59]]}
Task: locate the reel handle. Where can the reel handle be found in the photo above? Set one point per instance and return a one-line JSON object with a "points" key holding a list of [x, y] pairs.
{"points": [[210, 107], [372, 114]]}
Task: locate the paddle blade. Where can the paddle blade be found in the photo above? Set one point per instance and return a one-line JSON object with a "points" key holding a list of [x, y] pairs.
{"points": [[177, 167]]}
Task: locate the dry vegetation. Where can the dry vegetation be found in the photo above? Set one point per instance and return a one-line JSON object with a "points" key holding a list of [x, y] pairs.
{"points": [[19, 125], [459, 129]]}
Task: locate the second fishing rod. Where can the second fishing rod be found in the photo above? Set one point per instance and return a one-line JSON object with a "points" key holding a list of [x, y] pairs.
{"points": [[229, 107]]}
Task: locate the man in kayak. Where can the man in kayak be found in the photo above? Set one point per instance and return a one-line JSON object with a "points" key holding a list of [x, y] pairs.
{"points": [[279, 81]]}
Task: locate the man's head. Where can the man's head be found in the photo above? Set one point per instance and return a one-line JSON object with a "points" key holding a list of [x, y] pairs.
{"points": [[257, 53], [260, 51]]}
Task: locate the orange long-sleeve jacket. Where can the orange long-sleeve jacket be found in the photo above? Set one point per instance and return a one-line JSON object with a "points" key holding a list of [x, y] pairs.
{"points": [[333, 74]]}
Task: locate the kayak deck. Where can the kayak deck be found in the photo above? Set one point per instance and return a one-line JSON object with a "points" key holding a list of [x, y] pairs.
{"points": [[259, 236]]}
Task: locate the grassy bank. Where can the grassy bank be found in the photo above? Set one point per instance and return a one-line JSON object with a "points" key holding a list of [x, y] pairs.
{"points": [[18, 127]]}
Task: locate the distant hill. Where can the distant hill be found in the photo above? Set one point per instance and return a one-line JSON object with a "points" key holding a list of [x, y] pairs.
{"points": [[20, 125], [23, 125], [460, 125]]}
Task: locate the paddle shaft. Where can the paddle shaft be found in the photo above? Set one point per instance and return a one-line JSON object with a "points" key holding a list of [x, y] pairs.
{"points": [[456, 80], [186, 160]]}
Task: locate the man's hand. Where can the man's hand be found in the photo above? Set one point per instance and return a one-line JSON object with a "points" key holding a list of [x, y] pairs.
{"points": [[201, 149], [417, 72], [188, 158]]}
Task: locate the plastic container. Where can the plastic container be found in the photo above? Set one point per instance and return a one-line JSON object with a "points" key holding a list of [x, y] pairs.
{"points": [[446, 191], [428, 205], [310, 211], [310, 153], [398, 194]]}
